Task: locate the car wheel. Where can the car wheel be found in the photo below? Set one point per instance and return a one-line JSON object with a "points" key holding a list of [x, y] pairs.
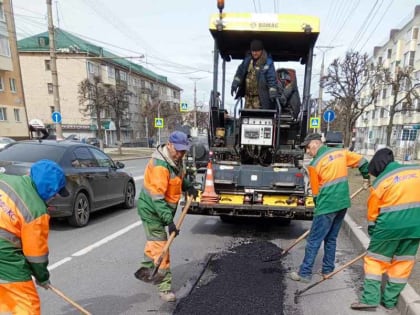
{"points": [[81, 211], [130, 192]]}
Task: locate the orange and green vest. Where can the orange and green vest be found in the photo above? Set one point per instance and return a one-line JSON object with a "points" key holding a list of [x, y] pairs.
{"points": [[24, 227], [394, 203], [328, 173], [162, 189]]}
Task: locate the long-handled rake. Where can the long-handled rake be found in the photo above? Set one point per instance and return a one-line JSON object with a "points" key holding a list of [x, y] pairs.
{"points": [[326, 277]]}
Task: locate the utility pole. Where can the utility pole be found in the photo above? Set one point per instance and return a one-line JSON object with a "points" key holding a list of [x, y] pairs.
{"points": [[195, 102], [323, 49], [53, 66]]}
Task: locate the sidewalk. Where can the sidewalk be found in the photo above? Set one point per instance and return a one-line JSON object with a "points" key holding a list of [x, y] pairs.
{"points": [[128, 153]]}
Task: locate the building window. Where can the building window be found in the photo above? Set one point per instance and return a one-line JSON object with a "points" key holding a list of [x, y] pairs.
{"points": [[111, 72], [47, 64], [123, 76], [415, 34], [12, 83], [4, 46], [52, 109], [50, 88], [389, 53], [2, 12], [16, 112], [409, 134], [3, 114], [1, 84]]}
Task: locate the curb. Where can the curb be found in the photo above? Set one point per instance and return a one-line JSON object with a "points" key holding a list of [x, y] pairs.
{"points": [[409, 300]]}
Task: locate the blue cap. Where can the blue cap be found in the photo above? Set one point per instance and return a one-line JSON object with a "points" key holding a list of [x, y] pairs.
{"points": [[179, 140], [49, 179]]}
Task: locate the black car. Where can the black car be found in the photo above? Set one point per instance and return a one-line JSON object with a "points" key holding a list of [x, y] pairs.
{"points": [[94, 180]]}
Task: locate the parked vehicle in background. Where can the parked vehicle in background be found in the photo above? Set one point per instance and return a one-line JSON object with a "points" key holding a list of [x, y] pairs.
{"points": [[4, 141], [93, 141], [94, 180]]}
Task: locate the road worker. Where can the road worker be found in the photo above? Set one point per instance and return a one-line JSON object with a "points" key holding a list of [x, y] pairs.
{"points": [[394, 228], [330, 189], [255, 79], [24, 228], [164, 183]]}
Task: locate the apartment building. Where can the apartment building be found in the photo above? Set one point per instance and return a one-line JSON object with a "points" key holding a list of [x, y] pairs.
{"points": [[13, 119], [78, 60], [400, 51]]}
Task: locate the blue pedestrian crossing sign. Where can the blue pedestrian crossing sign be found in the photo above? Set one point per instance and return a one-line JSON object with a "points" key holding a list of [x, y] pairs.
{"points": [[158, 122], [314, 122], [56, 117], [183, 107]]}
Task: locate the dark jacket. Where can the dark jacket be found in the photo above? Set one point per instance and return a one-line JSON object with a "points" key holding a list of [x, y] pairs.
{"points": [[266, 79]]}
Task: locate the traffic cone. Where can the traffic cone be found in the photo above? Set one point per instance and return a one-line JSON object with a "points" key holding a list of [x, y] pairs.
{"points": [[209, 195]]}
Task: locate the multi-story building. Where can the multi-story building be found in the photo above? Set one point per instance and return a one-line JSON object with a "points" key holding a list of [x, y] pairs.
{"points": [[78, 60], [13, 119], [402, 50]]}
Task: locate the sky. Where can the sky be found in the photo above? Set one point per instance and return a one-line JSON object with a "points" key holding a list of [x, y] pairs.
{"points": [[174, 40]]}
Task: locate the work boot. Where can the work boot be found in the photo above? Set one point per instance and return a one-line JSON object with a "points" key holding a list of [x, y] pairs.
{"points": [[167, 296], [390, 308], [296, 277], [362, 306]]}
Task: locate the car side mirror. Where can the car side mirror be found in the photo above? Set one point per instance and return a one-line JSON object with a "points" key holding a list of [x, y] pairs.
{"points": [[119, 164]]}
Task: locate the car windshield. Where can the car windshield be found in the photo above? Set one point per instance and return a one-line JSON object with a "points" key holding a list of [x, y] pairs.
{"points": [[32, 152]]}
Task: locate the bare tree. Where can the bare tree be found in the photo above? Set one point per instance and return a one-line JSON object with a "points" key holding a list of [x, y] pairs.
{"points": [[404, 90], [117, 101], [92, 100], [347, 81]]}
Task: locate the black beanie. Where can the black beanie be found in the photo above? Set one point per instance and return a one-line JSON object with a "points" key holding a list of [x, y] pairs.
{"points": [[379, 161], [256, 45]]}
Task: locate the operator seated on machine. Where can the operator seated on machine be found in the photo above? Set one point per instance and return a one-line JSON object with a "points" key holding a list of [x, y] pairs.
{"points": [[255, 79]]}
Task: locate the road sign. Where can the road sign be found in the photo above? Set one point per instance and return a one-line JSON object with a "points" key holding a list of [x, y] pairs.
{"points": [[158, 122], [184, 107], [314, 122], [329, 115], [56, 117]]}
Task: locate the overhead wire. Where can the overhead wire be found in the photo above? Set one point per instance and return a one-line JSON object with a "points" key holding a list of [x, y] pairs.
{"points": [[350, 13], [377, 24], [360, 31]]}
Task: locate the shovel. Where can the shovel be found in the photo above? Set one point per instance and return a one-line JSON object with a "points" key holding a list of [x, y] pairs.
{"points": [[154, 277], [302, 237], [326, 277]]}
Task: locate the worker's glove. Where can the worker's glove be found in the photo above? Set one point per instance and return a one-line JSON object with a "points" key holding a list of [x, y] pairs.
{"points": [[235, 87], [370, 229], [172, 228], [44, 284], [192, 192], [366, 183], [272, 92]]}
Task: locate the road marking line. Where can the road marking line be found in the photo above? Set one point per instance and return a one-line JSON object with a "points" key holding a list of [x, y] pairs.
{"points": [[95, 245], [106, 239], [59, 263]]}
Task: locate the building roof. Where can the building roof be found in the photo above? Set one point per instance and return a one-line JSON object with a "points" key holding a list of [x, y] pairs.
{"points": [[66, 42]]}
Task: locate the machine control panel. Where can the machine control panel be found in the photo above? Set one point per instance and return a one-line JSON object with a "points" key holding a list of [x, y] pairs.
{"points": [[257, 131]]}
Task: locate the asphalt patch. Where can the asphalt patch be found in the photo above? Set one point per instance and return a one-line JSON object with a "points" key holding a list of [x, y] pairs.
{"points": [[239, 282]]}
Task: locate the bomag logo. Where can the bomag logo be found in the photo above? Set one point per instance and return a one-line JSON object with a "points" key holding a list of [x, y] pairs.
{"points": [[399, 179], [268, 25]]}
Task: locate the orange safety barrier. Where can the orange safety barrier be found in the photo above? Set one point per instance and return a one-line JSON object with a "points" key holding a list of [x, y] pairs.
{"points": [[209, 195]]}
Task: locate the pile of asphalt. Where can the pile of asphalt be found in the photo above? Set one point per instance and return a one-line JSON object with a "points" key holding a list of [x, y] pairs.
{"points": [[239, 282]]}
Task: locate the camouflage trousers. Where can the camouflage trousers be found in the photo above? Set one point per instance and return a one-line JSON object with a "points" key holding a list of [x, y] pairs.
{"points": [[252, 102], [156, 239]]}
